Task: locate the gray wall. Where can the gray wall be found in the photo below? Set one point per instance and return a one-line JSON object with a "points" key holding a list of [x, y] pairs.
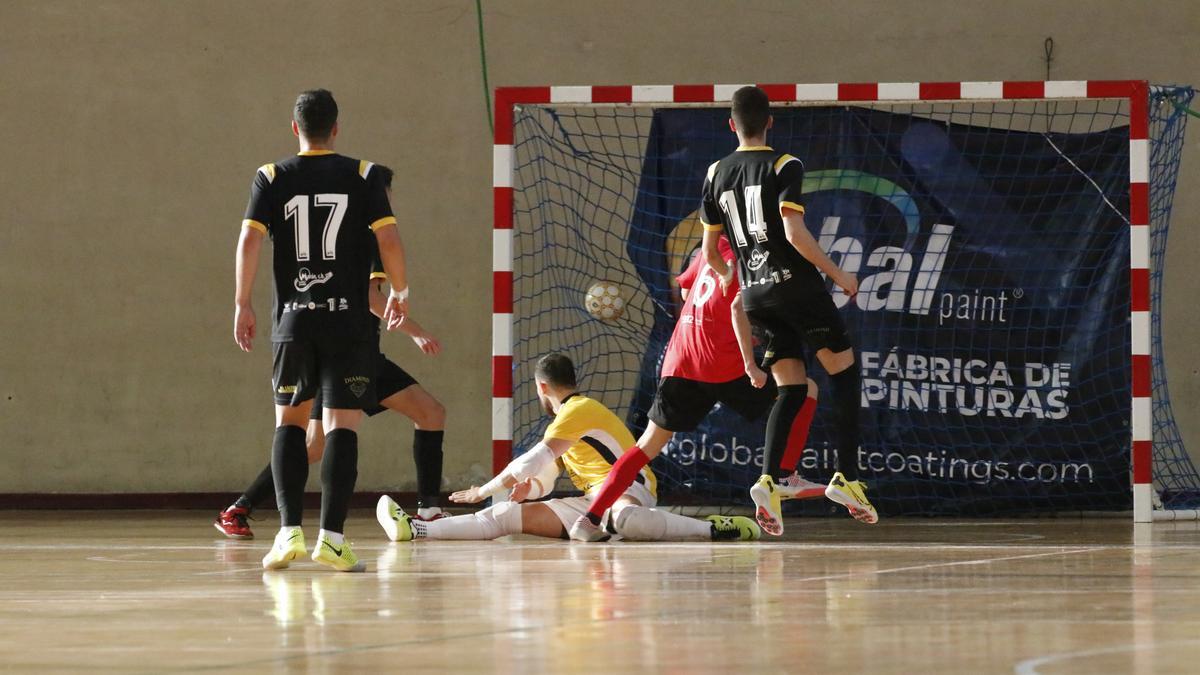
{"points": [[133, 129]]}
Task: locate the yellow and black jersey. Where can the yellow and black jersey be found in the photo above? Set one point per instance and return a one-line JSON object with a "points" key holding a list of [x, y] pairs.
{"points": [[598, 438], [320, 209], [744, 194]]}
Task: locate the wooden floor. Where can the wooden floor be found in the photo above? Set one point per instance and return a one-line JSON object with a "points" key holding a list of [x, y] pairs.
{"points": [[161, 592]]}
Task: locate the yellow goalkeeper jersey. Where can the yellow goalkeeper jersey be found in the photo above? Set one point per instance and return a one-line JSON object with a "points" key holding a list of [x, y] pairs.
{"points": [[597, 439]]}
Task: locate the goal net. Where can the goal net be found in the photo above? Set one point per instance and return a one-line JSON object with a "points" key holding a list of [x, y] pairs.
{"points": [[997, 244]]}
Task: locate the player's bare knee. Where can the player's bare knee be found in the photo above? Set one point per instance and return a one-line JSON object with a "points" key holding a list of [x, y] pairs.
{"points": [[812, 389], [432, 415]]}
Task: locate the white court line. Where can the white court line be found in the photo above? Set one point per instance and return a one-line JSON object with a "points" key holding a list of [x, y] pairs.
{"points": [[910, 568], [1030, 666]]}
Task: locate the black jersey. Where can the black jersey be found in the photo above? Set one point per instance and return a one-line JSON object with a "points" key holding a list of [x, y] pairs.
{"points": [[745, 193], [320, 209]]}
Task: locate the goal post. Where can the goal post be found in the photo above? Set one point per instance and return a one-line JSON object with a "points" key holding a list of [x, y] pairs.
{"points": [[566, 211]]}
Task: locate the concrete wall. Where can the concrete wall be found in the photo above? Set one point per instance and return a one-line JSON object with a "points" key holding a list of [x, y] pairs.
{"points": [[132, 130]]}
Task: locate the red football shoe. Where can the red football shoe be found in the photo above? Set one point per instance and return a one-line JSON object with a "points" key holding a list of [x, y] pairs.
{"points": [[232, 522]]}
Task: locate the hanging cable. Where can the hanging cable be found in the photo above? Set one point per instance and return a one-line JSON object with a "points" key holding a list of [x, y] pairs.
{"points": [[487, 90]]}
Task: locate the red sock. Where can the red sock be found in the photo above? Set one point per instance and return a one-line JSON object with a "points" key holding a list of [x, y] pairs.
{"points": [[623, 473], [799, 435]]}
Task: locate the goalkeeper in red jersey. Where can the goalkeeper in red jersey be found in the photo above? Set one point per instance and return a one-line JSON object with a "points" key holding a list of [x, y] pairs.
{"points": [[709, 359]]}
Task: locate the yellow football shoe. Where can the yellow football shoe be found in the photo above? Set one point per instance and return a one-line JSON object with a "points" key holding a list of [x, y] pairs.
{"points": [[853, 495], [289, 545]]}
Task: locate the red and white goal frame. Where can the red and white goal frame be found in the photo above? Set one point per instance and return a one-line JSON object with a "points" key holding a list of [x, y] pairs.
{"points": [[1135, 91]]}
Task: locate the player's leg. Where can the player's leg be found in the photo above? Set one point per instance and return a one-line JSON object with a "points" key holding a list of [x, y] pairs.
{"points": [[638, 521], [400, 392], [623, 474], [345, 372], [845, 488], [294, 383], [537, 518], [753, 403], [233, 521], [679, 405], [785, 357], [798, 437]]}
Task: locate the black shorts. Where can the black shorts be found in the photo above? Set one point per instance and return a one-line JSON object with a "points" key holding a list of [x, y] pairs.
{"points": [[389, 379], [342, 372], [814, 323], [680, 404]]}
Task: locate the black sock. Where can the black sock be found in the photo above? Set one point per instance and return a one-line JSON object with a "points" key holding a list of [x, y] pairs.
{"points": [[847, 395], [258, 491], [339, 472], [427, 454], [289, 469], [779, 426]]}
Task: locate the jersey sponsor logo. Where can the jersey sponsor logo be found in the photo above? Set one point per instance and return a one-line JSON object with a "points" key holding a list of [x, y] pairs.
{"points": [[888, 280], [306, 279], [757, 259]]}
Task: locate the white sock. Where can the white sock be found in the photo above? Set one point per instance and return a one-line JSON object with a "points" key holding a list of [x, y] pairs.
{"points": [[286, 531], [335, 538], [490, 523], [638, 523], [429, 512]]}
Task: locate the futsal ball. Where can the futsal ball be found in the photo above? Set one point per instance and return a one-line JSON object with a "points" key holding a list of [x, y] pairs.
{"points": [[604, 301]]}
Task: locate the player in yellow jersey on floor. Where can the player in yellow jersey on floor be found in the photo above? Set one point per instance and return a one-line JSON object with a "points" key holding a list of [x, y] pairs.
{"points": [[585, 439]]}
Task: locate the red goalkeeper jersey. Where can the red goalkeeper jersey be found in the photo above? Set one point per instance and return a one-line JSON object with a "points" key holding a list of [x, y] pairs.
{"points": [[704, 347]]}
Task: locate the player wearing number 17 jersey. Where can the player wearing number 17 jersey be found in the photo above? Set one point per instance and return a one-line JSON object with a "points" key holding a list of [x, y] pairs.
{"points": [[755, 195], [321, 210]]}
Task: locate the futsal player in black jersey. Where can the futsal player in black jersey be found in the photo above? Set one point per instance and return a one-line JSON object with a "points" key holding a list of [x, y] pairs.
{"points": [[321, 210], [395, 389], [756, 194]]}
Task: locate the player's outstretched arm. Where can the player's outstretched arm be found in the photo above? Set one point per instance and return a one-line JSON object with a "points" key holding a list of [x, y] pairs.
{"points": [[391, 254], [712, 255], [528, 465], [745, 340], [246, 266], [424, 340], [800, 238]]}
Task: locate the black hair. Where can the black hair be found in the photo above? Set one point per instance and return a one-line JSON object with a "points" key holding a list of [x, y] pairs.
{"points": [[750, 111], [557, 369], [387, 173], [316, 112]]}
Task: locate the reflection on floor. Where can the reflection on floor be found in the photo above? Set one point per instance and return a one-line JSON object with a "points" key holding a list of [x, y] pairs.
{"points": [[158, 592]]}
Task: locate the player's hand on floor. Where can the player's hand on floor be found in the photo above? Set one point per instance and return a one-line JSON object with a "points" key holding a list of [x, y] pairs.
{"points": [[520, 491], [469, 496], [758, 377], [243, 327]]}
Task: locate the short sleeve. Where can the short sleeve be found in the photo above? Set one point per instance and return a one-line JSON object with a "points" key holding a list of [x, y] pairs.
{"points": [[710, 211], [258, 210], [688, 278], [790, 172], [568, 426], [379, 207]]}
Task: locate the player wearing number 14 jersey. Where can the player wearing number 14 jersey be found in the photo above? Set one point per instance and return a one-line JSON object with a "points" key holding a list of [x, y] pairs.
{"points": [[709, 359], [755, 195], [321, 210]]}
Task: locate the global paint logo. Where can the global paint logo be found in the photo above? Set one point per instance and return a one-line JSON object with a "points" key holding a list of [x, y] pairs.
{"points": [[895, 286]]}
